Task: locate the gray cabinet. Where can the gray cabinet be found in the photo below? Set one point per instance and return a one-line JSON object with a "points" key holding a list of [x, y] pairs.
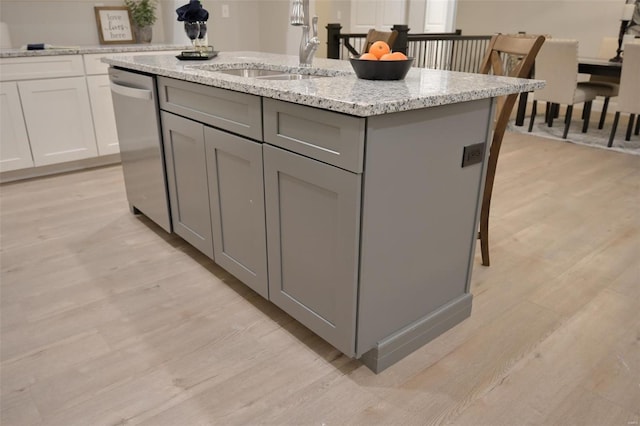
{"points": [[186, 164], [362, 229], [236, 194], [313, 222]]}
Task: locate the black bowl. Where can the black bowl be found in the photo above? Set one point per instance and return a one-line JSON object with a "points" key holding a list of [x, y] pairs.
{"points": [[381, 70]]}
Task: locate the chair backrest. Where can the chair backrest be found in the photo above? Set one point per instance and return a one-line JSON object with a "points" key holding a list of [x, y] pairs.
{"points": [[520, 52], [629, 96], [557, 64], [373, 35], [608, 47], [510, 55]]}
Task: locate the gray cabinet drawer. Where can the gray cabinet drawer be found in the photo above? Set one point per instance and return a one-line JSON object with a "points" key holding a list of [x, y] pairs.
{"points": [[326, 136], [236, 112]]}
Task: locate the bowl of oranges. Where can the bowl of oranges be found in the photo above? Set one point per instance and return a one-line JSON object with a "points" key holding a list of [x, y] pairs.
{"points": [[380, 63]]}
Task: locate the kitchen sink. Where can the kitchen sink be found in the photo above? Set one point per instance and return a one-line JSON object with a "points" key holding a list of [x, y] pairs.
{"points": [[265, 74], [272, 72]]}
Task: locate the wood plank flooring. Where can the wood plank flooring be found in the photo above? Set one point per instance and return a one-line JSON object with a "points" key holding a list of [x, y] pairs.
{"points": [[106, 319]]}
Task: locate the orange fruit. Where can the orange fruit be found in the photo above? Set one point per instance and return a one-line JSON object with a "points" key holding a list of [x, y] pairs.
{"points": [[369, 57], [379, 48], [395, 56]]}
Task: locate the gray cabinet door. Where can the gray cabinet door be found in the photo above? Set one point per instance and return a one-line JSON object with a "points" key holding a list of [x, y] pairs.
{"points": [[187, 179], [236, 194], [313, 222]]}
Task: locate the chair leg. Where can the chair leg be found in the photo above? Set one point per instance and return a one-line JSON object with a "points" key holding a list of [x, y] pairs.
{"points": [[630, 127], [484, 235], [552, 114], [586, 112], [534, 111], [568, 121], [603, 114], [547, 111], [613, 128], [637, 131]]}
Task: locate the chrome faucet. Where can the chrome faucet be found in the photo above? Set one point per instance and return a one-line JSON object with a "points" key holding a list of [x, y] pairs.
{"points": [[300, 17]]}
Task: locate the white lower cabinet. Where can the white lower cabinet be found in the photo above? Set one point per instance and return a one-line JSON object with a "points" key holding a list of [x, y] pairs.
{"points": [[104, 120], [15, 152], [58, 117]]}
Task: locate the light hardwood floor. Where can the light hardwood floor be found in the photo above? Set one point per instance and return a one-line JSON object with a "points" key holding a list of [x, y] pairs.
{"points": [[105, 319]]}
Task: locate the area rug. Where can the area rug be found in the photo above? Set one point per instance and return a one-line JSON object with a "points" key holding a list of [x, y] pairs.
{"points": [[596, 138]]}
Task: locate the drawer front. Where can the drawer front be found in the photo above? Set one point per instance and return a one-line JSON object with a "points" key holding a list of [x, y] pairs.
{"points": [[326, 136], [93, 64], [239, 113], [41, 67]]}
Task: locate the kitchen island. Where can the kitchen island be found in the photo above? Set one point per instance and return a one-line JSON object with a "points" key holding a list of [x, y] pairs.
{"points": [[350, 204]]}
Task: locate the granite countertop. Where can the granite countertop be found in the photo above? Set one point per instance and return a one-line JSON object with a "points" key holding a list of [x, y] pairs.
{"points": [[80, 50], [343, 92]]}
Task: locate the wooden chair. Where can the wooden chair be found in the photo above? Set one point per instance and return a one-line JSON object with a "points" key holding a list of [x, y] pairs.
{"points": [[629, 97], [519, 51], [557, 64], [373, 35]]}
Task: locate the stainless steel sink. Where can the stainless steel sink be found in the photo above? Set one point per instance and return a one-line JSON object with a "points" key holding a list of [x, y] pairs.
{"points": [[264, 74], [250, 72], [260, 72]]}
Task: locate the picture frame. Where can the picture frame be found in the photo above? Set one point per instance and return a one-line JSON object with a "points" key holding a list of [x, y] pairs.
{"points": [[114, 25]]}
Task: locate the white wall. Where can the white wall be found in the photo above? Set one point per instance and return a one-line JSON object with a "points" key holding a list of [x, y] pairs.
{"points": [[588, 21], [264, 24], [70, 22]]}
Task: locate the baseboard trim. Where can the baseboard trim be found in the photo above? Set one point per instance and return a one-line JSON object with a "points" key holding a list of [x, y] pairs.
{"points": [[400, 344], [35, 172]]}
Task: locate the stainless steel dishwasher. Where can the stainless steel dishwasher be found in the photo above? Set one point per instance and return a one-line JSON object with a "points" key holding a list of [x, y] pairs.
{"points": [[135, 105]]}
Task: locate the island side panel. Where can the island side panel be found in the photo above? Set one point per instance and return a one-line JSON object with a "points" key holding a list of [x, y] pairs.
{"points": [[419, 218]]}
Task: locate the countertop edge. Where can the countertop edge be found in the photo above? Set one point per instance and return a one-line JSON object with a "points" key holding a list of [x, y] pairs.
{"points": [[363, 106]]}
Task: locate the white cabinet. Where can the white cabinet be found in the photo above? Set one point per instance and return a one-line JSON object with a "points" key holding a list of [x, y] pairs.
{"points": [[104, 119], [57, 109], [15, 152], [58, 117]]}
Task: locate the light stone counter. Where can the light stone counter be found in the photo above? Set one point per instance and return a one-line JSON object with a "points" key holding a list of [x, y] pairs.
{"points": [[81, 50], [343, 92]]}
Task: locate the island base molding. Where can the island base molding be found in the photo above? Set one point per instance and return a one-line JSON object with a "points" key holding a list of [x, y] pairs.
{"points": [[407, 340]]}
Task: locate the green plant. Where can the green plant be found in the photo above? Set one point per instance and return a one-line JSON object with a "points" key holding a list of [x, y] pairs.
{"points": [[143, 12]]}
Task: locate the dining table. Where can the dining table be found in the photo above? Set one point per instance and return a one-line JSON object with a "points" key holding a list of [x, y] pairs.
{"points": [[593, 66]]}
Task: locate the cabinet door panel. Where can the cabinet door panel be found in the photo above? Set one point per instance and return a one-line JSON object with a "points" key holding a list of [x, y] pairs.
{"points": [[15, 152], [187, 179], [104, 118], [313, 216], [58, 117], [236, 191]]}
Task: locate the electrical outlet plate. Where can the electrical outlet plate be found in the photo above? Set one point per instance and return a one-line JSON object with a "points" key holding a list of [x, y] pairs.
{"points": [[472, 154], [225, 10]]}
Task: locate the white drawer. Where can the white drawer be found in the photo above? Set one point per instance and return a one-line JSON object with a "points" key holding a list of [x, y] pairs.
{"points": [[93, 64], [29, 68]]}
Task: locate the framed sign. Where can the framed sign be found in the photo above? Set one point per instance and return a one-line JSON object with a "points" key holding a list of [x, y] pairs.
{"points": [[114, 24]]}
